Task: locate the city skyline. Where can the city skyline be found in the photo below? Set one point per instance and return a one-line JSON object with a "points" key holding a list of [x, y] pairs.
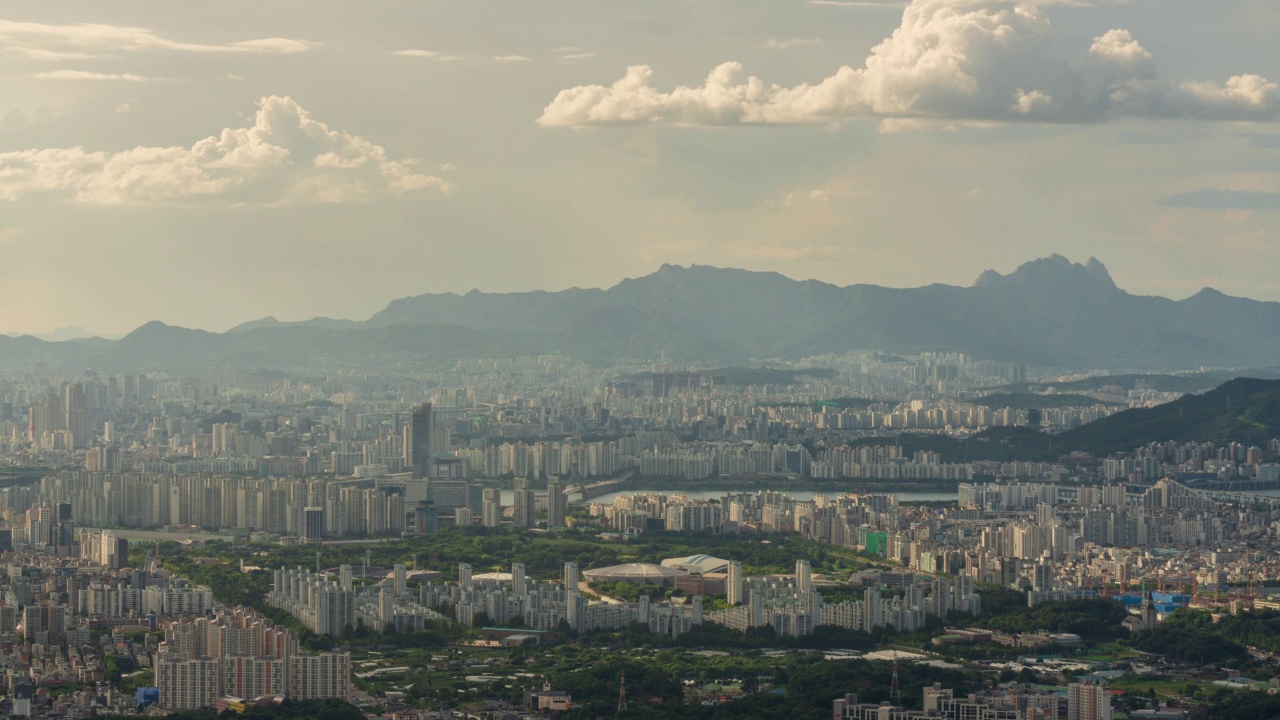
{"points": [[297, 161]]}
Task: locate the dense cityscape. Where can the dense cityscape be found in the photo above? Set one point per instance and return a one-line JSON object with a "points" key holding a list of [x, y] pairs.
{"points": [[676, 360], [131, 503]]}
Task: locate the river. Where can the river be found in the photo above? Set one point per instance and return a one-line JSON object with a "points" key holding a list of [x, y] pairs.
{"points": [[508, 497]]}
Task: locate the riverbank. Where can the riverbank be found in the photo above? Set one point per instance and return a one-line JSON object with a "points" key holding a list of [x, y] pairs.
{"points": [[781, 484]]}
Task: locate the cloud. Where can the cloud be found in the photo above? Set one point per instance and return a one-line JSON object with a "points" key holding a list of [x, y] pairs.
{"points": [[776, 44], [512, 58], [86, 75], [985, 60], [34, 40], [570, 53], [427, 55], [1244, 97], [1211, 199], [858, 4], [1029, 102], [284, 157]]}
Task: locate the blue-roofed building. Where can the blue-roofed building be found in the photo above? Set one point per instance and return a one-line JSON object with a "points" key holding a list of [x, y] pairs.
{"points": [[147, 696]]}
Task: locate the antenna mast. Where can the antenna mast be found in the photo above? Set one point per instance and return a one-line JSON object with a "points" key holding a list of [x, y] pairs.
{"points": [[622, 691], [895, 692]]}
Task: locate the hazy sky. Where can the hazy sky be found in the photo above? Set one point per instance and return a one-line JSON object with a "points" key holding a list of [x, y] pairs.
{"points": [[205, 164]]}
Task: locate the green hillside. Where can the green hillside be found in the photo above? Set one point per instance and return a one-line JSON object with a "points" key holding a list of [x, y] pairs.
{"points": [[1161, 382], [1245, 410]]}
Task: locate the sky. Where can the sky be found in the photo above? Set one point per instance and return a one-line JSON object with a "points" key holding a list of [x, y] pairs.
{"points": [[206, 164]]}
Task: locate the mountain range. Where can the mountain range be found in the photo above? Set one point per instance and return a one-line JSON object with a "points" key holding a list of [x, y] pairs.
{"points": [[1050, 312]]}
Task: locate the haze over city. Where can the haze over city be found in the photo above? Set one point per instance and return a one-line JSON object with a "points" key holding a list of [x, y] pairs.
{"points": [[326, 161], [664, 360]]}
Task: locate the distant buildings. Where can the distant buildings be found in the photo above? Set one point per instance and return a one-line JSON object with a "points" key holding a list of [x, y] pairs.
{"points": [[242, 654], [1088, 701], [942, 704], [418, 434]]}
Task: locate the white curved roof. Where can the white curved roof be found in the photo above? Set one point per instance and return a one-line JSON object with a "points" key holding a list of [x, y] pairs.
{"points": [[699, 564], [640, 573]]}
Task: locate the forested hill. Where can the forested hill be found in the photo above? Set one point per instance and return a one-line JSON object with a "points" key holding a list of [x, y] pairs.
{"points": [[1244, 410]]}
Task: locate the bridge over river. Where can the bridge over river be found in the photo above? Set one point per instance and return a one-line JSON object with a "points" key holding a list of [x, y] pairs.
{"points": [[589, 491]]}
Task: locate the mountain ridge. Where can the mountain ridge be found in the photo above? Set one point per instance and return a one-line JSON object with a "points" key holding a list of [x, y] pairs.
{"points": [[1049, 311]]}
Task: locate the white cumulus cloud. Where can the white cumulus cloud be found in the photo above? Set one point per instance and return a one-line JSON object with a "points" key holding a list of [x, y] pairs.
{"points": [[285, 156], [984, 60], [1245, 97]]}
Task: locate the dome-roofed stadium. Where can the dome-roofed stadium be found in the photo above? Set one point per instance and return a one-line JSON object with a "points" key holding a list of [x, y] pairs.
{"points": [[697, 564], [638, 573]]}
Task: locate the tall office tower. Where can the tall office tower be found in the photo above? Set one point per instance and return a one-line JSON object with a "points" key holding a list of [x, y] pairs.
{"points": [[525, 502], [401, 586], [872, 609], [313, 523], [491, 511], [804, 576], [1088, 701], [572, 604], [733, 584], [417, 441], [756, 609], [518, 579], [78, 418], [556, 503]]}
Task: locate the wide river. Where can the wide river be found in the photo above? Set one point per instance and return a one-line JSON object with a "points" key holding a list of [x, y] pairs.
{"points": [[508, 496]]}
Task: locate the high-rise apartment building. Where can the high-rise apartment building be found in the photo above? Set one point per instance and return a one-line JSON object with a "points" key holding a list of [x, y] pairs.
{"points": [[733, 584], [491, 511], [1088, 701], [804, 576], [187, 684], [327, 675], [525, 504], [557, 503]]}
